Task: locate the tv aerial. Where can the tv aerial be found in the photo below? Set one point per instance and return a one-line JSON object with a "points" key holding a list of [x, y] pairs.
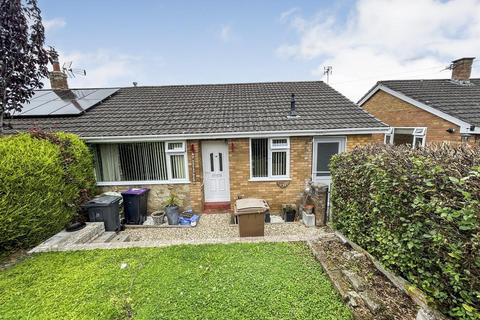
{"points": [[327, 71], [73, 72]]}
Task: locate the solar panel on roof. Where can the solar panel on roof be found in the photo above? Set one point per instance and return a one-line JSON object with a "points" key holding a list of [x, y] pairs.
{"points": [[65, 102]]}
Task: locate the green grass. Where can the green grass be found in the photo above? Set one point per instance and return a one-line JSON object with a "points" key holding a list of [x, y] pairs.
{"points": [[240, 281]]}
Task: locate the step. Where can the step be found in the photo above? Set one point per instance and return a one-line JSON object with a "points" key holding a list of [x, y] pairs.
{"points": [[120, 237], [216, 207], [105, 237]]}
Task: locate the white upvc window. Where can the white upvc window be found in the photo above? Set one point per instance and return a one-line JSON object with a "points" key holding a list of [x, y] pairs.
{"points": [[141, 163], [177, 161], [414, 136], [269, 158]]}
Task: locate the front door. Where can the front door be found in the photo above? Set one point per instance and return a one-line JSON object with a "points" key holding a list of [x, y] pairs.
{"points": [[216, 182]]}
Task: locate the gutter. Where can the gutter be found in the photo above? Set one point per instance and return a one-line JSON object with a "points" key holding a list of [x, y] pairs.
{"points": [[226, 135]]}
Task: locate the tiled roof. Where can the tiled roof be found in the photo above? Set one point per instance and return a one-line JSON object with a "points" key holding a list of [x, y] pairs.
{"points": [[461, 101], [219, 108]]}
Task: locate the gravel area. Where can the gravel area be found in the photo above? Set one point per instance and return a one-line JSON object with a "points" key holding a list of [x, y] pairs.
{"points": [[217, 226]]}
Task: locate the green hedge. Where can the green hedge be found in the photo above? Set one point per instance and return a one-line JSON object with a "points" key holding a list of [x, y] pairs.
{"points": [[418, 212], [43, 177]]}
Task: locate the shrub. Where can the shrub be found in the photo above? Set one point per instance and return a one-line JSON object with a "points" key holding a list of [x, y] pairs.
{"points": [[43, 179], [418, 212]]}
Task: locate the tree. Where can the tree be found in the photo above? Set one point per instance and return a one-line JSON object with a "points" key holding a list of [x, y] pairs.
{"points": [[23, 58]]}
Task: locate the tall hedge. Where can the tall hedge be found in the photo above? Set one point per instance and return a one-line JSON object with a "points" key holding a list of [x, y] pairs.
{"points": [[418, 212], [43, 179]]}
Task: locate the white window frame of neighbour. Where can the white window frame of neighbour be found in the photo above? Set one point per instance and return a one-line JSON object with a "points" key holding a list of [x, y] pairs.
{"points": [[417, 133], [170, 180], [341, 148], [271, 149]]}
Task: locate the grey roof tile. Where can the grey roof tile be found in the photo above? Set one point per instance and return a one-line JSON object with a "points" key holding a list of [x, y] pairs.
{"points": [[457, 100], [220, 108]]}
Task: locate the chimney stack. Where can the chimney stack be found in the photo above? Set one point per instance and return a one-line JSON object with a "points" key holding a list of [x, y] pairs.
{"points": [[58, 79], [461, 69]]}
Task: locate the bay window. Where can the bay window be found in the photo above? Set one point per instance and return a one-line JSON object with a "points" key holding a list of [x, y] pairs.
{"points": [[122, 163], [269, 158]]}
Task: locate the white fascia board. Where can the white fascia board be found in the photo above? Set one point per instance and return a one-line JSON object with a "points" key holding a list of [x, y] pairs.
{"points": [[464, 126], [226, 135]]}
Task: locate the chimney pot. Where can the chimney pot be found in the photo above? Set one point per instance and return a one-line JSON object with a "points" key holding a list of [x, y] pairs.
{"points": [[462, 69]]}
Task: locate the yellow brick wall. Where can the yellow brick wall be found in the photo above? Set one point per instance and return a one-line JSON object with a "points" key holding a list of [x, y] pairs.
{"points": [[358, 141], [300, 171], [398, 113], [239, 160]]}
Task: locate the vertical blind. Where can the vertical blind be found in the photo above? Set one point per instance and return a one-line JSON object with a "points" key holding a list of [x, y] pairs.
{"points": [[259, 155], [269, 157], [141, 161], [279, 163]]}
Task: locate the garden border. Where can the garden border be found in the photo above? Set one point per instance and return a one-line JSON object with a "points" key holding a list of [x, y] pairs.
{"points": [[402, 284]]}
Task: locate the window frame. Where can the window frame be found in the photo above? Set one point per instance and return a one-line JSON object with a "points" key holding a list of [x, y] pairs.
{"points": [[418, 133], [342, 143], [271, 150], [168, 154]]}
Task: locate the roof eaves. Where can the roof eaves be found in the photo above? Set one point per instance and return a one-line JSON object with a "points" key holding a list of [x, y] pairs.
{"points": [[464, 126]]}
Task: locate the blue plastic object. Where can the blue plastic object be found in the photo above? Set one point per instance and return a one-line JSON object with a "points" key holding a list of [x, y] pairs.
{"points": [[185, 221]]}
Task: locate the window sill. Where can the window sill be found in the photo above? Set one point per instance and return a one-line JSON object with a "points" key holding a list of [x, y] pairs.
{"points": [[135, 183], [269, 179]]}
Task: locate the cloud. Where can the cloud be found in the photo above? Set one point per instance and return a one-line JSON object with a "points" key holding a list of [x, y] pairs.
{"points": [[55, 23], [107, 68], [393, 39], [226, 33], [286, 14]]}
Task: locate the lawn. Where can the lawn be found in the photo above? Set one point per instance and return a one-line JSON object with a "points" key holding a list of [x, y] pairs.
{"points": [[239, 281]]}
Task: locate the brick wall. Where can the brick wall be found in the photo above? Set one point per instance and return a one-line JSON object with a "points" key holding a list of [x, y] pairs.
{"points": [[358, 141], [289, 192], [300, 171], [398, 113]]}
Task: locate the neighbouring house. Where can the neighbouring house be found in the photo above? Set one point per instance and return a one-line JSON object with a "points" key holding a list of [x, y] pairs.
{"points": [[422, 111], [210, 144]]}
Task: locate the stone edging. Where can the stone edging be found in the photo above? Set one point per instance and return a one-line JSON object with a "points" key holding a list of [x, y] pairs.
{"points": [[402, 284], [160, 243]]}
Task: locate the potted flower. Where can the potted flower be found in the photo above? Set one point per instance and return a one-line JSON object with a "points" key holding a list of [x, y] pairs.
{"points": [[172, 204]]}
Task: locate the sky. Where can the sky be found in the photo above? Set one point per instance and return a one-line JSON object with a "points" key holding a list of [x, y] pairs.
{"points": [[226, 41]]}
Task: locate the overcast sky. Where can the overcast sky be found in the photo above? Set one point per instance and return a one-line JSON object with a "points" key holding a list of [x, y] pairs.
{"points": [[188, 42]]}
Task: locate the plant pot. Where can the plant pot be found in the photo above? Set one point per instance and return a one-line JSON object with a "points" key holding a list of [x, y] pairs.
{"points": [[172, 215], [158, 217], [308, 219]]}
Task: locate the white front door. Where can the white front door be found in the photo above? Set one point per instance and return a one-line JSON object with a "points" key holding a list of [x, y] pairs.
{"points": [[216, 182]]}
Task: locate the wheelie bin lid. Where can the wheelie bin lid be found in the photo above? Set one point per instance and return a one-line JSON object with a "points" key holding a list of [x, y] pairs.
{"points": [[135, 191], [251, 205], [102, 201]]}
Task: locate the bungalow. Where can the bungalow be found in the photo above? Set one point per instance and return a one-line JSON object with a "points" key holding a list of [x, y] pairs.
{"points": [[209, 144], [421, 111]]}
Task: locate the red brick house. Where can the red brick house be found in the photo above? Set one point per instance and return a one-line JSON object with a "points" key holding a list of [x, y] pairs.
{"points": [[422, 111], [207, 143]]}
